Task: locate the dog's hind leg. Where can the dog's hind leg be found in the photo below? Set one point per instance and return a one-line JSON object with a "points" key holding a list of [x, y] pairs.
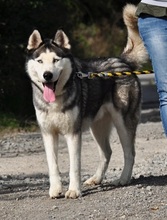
{"points": [[101, 132], [126, 132], [51, 148]]}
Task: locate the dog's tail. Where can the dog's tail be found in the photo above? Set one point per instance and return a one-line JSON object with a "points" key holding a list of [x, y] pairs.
{"points": [[134, 52]]}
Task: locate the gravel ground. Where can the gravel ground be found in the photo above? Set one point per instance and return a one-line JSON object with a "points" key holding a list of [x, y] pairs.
{"points": [[24, 180]]}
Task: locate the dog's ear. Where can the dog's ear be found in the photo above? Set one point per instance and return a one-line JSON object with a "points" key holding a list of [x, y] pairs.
{"points": [[34, 40], [62, 40]]}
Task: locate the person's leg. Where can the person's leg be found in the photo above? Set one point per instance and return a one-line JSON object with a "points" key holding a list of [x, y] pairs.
{"points": [[154, 34]]}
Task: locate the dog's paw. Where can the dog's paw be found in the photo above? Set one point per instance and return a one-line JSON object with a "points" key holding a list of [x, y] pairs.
{"points": [[120, 182], [72, 194], [93, 181], [55, 192]]}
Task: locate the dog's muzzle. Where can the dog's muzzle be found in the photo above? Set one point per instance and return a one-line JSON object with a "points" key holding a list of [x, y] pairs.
{"points": [[48, 76]]}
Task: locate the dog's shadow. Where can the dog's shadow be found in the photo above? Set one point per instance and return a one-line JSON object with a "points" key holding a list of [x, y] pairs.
{"points": [[141, 181], [39, 183]]}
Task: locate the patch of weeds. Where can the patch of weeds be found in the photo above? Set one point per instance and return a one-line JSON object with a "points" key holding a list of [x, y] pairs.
{"points": [[11, 123]]}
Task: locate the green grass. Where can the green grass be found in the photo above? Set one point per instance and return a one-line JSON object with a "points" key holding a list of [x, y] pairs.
{"points": [[9, 122]]}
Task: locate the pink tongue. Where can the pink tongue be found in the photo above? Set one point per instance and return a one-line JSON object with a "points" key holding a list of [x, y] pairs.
{"points": [[48, 93]]}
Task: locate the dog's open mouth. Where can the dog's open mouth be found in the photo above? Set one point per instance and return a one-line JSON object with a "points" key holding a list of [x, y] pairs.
{"points": [[49, 94]]}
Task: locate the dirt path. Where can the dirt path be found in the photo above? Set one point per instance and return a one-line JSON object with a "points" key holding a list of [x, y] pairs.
{"points": [[24, 179]]}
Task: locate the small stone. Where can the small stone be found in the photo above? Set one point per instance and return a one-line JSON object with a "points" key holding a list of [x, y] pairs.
{"points": [[148, 188], [55, 207]]}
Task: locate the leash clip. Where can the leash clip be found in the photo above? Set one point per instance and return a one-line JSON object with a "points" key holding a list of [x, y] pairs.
{"points": [[82, 75]]}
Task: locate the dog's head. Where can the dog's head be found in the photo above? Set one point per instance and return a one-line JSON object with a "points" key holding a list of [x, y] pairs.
{"points": [[48, 62]]}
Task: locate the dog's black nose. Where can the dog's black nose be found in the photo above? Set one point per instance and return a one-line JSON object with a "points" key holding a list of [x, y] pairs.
{"points": [[48, 75]]}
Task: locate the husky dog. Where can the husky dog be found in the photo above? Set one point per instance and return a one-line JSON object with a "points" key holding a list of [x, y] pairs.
{"points": [[68, 105]]}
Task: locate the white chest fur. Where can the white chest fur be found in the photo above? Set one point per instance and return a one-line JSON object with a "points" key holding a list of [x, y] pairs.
{"points": [[54, 120]]}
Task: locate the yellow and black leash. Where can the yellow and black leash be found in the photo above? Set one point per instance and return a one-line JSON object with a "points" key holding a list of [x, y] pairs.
{"points": [[92, 75]]}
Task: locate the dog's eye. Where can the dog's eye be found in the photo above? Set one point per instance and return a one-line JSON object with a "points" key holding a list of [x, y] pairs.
{"points": [[39, 61], [55, 60]]}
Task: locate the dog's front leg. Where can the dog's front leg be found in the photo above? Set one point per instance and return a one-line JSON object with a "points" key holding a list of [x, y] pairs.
{"points": [[74, 148], [51, 148]]}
